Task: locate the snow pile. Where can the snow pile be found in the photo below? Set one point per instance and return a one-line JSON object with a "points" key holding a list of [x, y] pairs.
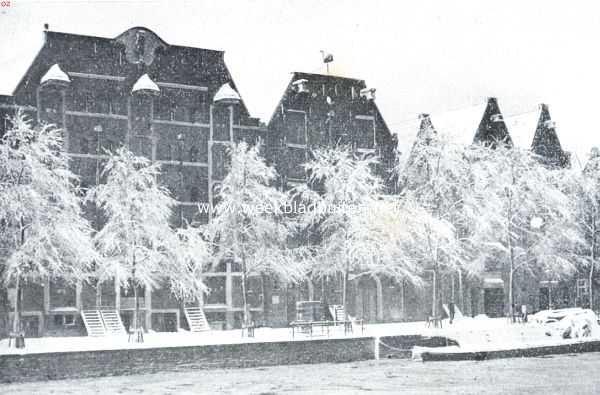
{"points": [[569, 323]]}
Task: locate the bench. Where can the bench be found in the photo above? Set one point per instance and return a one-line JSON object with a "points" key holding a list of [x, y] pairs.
{"points": [[19, 339], [338, 313], [435, 320], [308, 326], [249, 328], [136, 335]]}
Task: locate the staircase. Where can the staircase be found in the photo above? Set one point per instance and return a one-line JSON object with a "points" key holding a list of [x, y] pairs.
{"points": [[102, 322], [196, 319], [93, 323], [337, 312], [112, 322]]}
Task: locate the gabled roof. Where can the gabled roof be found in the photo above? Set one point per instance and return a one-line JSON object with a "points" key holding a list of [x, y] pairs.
{"points": [[55, 74], [492, 129], [226, 94], [323, 78], [144, 83]]}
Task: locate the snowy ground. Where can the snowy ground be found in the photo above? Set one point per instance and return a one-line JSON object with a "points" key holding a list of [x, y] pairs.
{"points": [[563, 374], [471, 333]]}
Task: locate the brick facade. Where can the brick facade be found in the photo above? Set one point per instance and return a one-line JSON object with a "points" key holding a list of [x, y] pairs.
{"points": [[87, 87]]}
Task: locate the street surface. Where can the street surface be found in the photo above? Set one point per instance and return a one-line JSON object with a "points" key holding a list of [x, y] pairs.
{"points": [[563, 374]]}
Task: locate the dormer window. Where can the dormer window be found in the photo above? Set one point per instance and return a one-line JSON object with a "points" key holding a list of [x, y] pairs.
{"points": [[368, 93], [550, 124], [497, 118], [301, 86]]}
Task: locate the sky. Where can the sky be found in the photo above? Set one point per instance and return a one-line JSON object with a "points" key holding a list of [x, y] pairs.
{"points": [[421, 56]]}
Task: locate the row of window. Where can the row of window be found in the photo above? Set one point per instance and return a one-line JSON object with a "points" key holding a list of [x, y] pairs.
{"points": [[363, 133]]}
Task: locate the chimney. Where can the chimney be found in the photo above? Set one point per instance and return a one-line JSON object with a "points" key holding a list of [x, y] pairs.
{"points": [[46, 27]]}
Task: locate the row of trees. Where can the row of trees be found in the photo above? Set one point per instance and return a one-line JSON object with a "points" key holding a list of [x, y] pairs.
{"points": [[44, 234], [458, 209]]}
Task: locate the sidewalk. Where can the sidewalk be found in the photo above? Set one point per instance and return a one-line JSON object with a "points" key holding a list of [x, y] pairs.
{"points": [[469, 332]]}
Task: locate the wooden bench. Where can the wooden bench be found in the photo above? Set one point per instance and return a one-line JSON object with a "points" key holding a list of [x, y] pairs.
{"points": [[249, 328], [308, 326], [338, 313], [136, 335], [19, 338]]}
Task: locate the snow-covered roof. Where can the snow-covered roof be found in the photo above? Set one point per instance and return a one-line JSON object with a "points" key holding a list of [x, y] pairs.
{"points": [[459, 125], [227, 94], [17, 59], [521, 127], [55, 74], [145, 84]]}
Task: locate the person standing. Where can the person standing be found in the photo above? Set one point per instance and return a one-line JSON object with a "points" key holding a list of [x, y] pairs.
{"points": [[523, 313]]}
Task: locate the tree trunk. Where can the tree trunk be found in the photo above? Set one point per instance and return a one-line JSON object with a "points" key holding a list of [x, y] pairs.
{"points": [[17, 317], [18, 291], [592, 263], [434, 293], [345, 291], [460, 291], [246, 312], [137, 335], [510, 294], [136, 311], [246, 318]]}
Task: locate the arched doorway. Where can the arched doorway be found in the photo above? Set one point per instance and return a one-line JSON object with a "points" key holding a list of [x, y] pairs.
{"points": [[368, 299]]}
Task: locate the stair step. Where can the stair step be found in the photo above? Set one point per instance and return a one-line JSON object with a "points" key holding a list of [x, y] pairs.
{"points": [[196, 319]]}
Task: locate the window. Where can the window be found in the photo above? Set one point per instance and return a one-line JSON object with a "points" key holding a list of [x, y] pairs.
{"points": [[128, 291], [193, 154], [194, 194], [582, 287], [116, 103], [68, 319], [365, 132], [216, 285], [296, 159], [62, 294], [64, 320], [295, 131], [220, 161], [84, 146], [221, 123]]}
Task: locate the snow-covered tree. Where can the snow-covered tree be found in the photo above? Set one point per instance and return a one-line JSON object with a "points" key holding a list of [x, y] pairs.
{"points": [[138, 245], [530, 220], [360, 232], [437, 177], [249, 225], [586, 192], [44, 235]]}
